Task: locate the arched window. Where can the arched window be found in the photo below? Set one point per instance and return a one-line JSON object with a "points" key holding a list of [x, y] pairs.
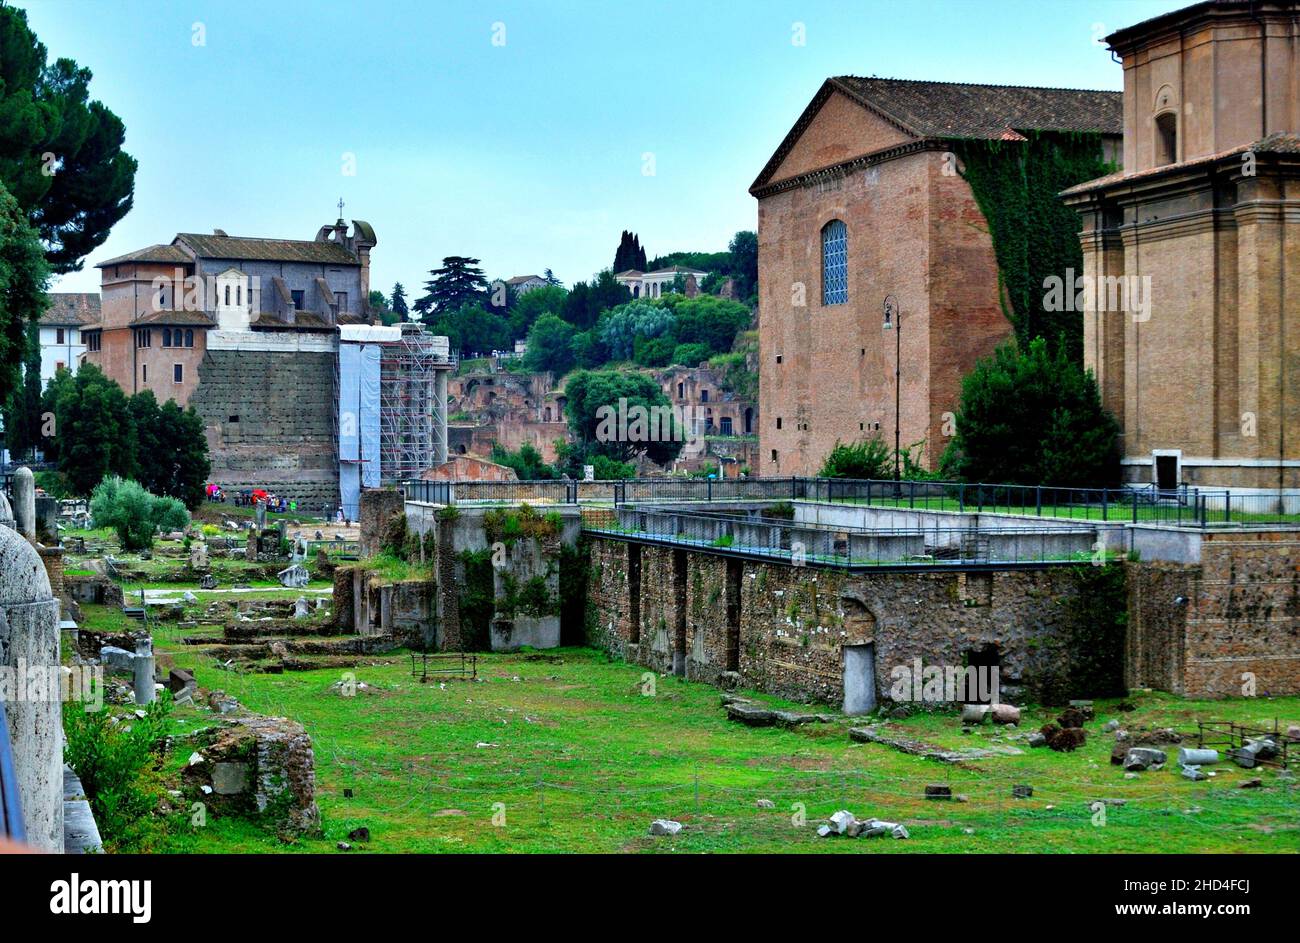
{"points": [[167, 337], [835, 263], [1166, 138], [189, 337], [227, 296]]}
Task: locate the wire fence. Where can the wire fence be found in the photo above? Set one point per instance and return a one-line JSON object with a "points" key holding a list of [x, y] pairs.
{"points": [[1184, 506]]}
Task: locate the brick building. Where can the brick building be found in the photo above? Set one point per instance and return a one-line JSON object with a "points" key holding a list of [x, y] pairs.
{"points": [[863, 200], [1205, 219]]}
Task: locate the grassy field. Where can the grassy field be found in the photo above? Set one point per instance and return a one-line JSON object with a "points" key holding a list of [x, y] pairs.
{"points": [[571, 755]]}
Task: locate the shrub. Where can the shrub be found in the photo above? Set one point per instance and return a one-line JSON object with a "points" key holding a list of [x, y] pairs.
{"points": [[868, 458], [135, 514], [114, 763]]}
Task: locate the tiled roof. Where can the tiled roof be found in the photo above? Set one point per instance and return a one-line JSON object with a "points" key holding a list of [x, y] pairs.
{"points": [[964, 110], [157, 253], [302, 321], [267, 250], [72, 308], [1277, 143], [945, 111], [520, 279], [197, 318]]}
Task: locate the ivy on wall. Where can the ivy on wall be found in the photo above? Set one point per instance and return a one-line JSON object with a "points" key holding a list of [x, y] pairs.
{"points": [[1035, 235]]}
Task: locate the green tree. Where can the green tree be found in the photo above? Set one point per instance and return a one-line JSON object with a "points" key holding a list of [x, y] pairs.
{"points": [[550, 345], [23, 276], [531, 305], [744, 262], [397, 302], [96, 436], [473, 329], [1033, 417], [620, 327], [22, 411], [586, 303], [711, 321], [58, 387], [458, 283], [147, 424], [630, 254], [527, 463], [60, 152], [183, 454], [622, 415], [134, 513]]}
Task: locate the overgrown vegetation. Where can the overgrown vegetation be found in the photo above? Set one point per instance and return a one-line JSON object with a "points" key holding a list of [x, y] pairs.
{"points": [[134, 514]]}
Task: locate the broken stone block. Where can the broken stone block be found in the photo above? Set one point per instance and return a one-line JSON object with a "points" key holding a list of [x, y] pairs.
{"points": [[1110, 726], [938, 791], [1022, 792], [1251, 784], [208, 581], [765, 804], [1071, 718], [1293, 733], [178, 679], [1141, 758], [841, 821], [825, 831], [361, 834], [1005, 714], [300, 608], [1193, 773], [974, 713], [258, 766], [665, 827], [751, 715], [1036, 740]]}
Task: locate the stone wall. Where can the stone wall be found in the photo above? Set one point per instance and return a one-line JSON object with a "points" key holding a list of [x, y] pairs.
{"points": [[1217, 627], [269, 417], [783, 629]]}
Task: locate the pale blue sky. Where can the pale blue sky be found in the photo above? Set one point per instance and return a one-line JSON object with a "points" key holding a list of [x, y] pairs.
{"points": [[527, 154]]}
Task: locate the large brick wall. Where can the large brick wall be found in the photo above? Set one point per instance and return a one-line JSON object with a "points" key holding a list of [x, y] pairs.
{"points": [[794, 622], [1223, 626], [269, 416], [913, 232]]}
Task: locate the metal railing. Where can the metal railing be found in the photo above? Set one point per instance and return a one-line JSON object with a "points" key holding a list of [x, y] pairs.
{"points": [[1182, 506], [755, 534]]}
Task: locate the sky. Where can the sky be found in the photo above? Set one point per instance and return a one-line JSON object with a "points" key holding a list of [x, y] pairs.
{"points": [[527, 135]]}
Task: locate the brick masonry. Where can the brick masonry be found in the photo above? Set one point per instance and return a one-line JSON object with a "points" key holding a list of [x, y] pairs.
{"points": [[655, 603], [1238, 622]]}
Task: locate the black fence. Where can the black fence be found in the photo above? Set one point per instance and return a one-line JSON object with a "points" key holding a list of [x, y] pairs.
{"points": [[1184, 506]]}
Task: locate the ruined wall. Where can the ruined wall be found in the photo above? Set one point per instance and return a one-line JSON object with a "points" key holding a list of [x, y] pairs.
{"points": [[269, 417], [793, 623]]}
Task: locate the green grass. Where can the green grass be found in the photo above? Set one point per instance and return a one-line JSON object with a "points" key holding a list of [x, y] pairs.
{"points": [[583, 761]]}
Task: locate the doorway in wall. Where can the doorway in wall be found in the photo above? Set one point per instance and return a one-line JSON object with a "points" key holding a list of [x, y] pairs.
{"points": [[1166, 472], [859, 679]]}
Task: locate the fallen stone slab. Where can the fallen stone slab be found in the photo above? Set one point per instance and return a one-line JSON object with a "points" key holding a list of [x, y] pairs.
{"points": [[1022, 792], [751, 715], [1193, 773], [665, 827], [927, 750], [974, 713], [1141, 758], [841, 821], [938, 791], [1005, 714], [765, 804], [798, 718]]}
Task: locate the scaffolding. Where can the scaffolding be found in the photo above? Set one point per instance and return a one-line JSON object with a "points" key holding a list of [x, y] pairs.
{"points": [[413, 366], [412, 403]]}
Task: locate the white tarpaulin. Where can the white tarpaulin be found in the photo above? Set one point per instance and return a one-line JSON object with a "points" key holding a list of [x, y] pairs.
{"points": [[349, 402]]}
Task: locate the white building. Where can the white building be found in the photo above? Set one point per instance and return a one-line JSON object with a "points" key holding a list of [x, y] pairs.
{"points": [[522, 284], [657, 283], [61, 342]]}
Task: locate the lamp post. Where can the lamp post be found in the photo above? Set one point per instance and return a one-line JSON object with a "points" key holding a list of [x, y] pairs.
{"points": [[894, 322]]}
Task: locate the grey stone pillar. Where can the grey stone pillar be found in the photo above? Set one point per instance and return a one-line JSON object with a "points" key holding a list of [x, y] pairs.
{"points": [[143, 665], [29, 639], [25, 502]]}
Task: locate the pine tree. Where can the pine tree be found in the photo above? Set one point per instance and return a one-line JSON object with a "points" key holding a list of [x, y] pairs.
{"points": [[398, 302], [458, 283]]}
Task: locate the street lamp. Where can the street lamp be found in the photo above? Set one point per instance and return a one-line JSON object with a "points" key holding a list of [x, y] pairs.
{"points": [[894, 322]]}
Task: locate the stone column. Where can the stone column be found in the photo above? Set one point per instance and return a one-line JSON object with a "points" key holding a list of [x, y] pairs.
{"points": [[29, 639], [143, 665], [25, 502]]}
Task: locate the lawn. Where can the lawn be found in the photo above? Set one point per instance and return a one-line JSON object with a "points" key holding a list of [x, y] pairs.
{"points": [[570, 755]]}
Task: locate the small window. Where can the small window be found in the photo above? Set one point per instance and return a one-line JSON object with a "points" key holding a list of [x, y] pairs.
{"points": [[704, 396], [774, 455], [681, 390], [144, 372], [297, 299], [227, 296], [1166, 138], [58, 335], [239, 294], [178, 373], [189, 337], [778, 422], [232, 419], [778, 358], [835, 263], [167, 337]]}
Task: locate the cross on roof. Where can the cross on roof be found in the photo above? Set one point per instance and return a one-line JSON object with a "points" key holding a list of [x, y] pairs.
{"points": [[340, 207]]}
